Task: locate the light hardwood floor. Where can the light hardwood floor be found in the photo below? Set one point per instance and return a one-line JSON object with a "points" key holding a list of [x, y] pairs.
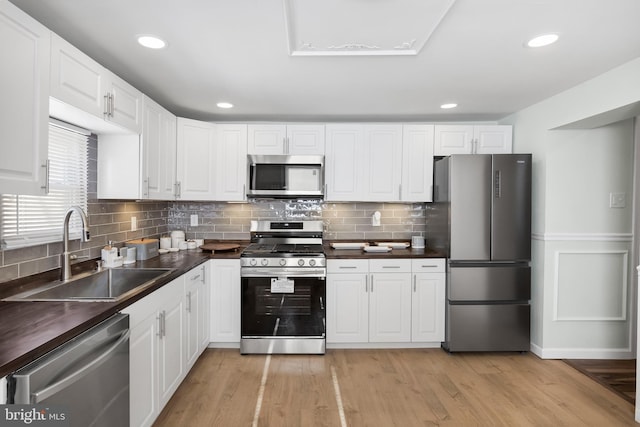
{"points": [[417, 387]]}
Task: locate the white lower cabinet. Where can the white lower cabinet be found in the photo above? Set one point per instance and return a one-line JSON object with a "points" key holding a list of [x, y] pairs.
{"points": [[428, 299], [168, 330], [390, 300], [196, 313], [225, 301]]}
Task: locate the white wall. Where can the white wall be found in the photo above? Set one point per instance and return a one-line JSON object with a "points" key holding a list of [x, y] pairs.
{"points": [[582, 260]]}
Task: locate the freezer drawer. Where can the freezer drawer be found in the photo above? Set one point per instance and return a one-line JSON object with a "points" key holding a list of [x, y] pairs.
{"points": [[488, 327], [492, 283]]}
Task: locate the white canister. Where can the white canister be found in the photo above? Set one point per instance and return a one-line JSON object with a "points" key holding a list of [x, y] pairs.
{"points": [[191, 244], [199, 242], [183, 246], [417, 242], [165, 242], [177, 236]]}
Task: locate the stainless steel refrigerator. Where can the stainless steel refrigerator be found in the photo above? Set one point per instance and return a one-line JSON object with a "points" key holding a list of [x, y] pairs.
{"points": [[481, 218]]}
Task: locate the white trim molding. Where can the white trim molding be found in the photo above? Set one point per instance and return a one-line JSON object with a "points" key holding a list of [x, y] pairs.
{"points": [[582, 237], [623, 285], [582, 353]]}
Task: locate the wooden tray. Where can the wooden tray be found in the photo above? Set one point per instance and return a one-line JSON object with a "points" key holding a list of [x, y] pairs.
{"points": [[220, 247]]}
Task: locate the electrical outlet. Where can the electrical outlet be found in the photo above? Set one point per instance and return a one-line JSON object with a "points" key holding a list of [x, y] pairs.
{"points": [[194, 220], [134, 223], [617, 200]]}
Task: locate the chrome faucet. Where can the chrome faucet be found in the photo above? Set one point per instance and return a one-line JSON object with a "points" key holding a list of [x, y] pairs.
{"points": [[65, 264]]}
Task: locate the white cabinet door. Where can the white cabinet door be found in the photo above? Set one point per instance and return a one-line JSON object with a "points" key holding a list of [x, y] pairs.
{"points": [[267, 139], [428, 299], [452, 139], [196, 153], [347, 308], [343, 174], [24, 105], [381, 160], [119, 167], [143, 368], [76, 79], [193, 285], [390, 307], [125, 104], [158, 152], [225, 301], [231, 162], [171, 351], [428, 303], [305, 140], [417, 163], [495, 139]]}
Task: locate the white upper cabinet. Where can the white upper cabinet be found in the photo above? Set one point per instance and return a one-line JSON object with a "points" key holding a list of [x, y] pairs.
{"points": [[80, 84], [231, 162], [24, 104], [493, 139], [343, 174], [363, 162], [467, 139], [382, 156], [286, 139], [196, 154], [76, 79], [417, 163], [159, 139]]}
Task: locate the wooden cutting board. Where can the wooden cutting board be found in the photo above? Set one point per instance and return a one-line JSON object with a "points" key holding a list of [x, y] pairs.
{"points": [[220, 247]]}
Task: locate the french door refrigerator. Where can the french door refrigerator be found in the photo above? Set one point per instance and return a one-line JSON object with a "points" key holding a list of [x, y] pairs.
{"points": [[481, 219]]}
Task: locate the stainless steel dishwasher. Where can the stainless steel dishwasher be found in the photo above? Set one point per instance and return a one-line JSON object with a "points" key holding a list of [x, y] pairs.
{"points": [[87, 376]]}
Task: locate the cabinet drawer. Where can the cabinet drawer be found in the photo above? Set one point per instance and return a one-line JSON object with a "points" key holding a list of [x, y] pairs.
{"points": [[347, 266], [428, 265], [391, 265]]}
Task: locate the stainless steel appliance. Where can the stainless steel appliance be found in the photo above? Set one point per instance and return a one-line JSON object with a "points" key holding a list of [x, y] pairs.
{"points": [[481, 219], [283, 176], [87, 376], [283, 274]]}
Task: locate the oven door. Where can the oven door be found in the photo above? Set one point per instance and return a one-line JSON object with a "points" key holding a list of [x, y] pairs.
{"points": [[282, 311]]}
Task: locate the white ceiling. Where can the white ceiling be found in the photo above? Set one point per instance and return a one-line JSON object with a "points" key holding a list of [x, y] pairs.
{"points": [[274, 59]]}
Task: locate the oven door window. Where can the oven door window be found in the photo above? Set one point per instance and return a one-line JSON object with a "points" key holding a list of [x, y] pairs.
{"points": [[300, 313]]}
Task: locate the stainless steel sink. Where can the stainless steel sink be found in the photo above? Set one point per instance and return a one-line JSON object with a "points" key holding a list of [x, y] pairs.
{"points": [[107, 285]]}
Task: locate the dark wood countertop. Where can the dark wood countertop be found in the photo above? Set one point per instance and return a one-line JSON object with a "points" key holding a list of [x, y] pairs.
{"points": [[28, 330], [331, 253]]}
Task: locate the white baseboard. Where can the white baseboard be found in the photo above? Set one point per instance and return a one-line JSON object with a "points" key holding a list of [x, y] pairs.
{"points": [[582, 353], [224, 345]]}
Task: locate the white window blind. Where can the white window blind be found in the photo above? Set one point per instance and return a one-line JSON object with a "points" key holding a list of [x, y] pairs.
{"points": [[34, 220]]}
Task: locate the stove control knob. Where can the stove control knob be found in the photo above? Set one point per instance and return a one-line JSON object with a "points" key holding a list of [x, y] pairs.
{"points": [[312, 262], [283, 261], [301, 262], [264, 261], [253, 261]]}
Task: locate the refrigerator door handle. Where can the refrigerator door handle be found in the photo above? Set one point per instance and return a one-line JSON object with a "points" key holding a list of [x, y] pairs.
{"points": [[497, 184]]}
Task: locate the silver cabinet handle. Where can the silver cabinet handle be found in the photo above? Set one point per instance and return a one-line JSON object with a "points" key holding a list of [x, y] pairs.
{"points": [[112, 107], [414, 283], [106, 105], [47, 168], [54, 388], [162, 324], [429, 266], [189, 302], [366, 283], [204, 272], [344, 267], [372, 283], [390, 266], [178, 189], [195, 278], [400, 192]]}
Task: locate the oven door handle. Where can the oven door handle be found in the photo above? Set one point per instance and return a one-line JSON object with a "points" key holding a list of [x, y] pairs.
{"points": [[290, 273]]}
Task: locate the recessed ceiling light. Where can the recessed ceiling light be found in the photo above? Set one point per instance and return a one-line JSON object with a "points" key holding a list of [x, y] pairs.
{"points": [[448, 106], [543, 40], [224, 105], [152, 42]]}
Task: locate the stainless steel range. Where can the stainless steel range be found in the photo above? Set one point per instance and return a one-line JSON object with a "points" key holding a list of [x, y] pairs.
{"points": [[283, 273]]}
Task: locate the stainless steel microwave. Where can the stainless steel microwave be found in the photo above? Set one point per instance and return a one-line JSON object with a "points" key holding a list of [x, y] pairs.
{"points": [[282, 176]]}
